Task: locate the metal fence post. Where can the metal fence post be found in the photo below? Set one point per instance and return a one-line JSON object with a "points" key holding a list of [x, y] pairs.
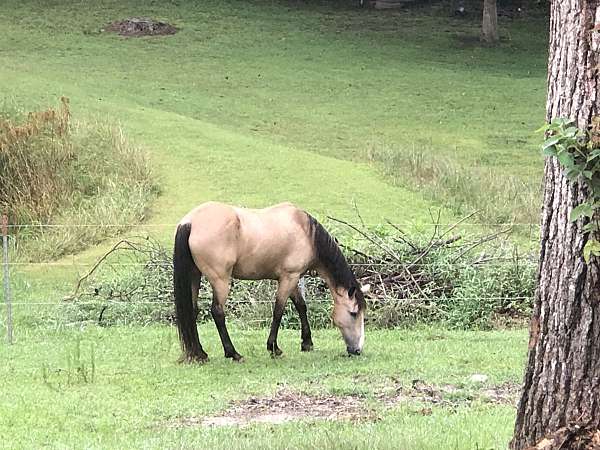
{"points": [[7, 299]]}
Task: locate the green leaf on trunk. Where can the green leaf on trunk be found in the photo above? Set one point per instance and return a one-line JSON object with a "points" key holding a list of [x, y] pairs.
{"points": [[583, 210], [591, 248], [566, 159], [551, 142]]}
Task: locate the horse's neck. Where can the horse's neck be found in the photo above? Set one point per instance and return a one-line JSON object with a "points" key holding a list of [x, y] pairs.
{"points": [[326, 276]]}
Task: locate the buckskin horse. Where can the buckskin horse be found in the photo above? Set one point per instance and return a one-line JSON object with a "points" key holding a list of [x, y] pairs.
{"points": [[281, 243]]}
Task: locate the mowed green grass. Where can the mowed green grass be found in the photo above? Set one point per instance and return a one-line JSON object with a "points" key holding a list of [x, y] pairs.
{"points": [[66, 384], [255, 102], [136, 396], [258, 102]]}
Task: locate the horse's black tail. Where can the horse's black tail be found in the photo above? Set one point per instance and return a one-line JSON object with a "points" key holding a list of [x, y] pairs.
{"points": [[185, 311]]}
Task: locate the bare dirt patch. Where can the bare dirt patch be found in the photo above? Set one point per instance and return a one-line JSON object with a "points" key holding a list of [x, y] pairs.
{"points": [[140, 26], [285, 406], [450, 395]]}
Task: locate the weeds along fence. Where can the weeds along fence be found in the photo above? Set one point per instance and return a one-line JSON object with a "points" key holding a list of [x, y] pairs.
{"points": [[446, 275]]}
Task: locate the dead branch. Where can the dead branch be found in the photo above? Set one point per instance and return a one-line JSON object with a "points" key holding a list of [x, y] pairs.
{"points": [[123, 244]]}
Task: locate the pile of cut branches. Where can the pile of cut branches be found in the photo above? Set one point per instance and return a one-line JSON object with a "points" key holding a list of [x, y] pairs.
{"points": [[131, 283], [462, 280], [452, 276]]}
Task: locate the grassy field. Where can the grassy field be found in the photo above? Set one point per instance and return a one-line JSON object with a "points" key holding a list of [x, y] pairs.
{"points": [[255, 102], [258, 102], [121, 388]]}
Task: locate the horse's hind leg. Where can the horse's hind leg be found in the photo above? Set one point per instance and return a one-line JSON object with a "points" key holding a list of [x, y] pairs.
{"points": [[284, 290], [196, 278], [298, 299], [220, 293]]}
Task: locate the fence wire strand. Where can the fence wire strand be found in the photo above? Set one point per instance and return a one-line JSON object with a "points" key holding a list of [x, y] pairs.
{"points": [[173, 225], [250, 302]]}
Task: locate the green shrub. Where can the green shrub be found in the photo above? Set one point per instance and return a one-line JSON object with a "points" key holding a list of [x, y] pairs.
{"points": [[483, 293]]}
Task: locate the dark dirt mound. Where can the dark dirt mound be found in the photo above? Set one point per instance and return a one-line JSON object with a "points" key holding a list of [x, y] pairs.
{"points": [[141, 26], [287, 406]]}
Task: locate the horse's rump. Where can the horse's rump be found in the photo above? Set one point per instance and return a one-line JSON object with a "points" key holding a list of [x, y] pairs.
{"points": [[250, 243]]}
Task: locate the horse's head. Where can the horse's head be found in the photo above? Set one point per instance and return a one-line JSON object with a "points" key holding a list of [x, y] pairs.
{"points": [[349, 316]]}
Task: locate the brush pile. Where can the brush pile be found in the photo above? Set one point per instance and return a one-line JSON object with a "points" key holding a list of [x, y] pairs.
{"points": [[461, 280], [451, 276]]}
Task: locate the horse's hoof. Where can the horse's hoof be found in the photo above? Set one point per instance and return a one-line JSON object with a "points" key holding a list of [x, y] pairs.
{"points": [[235, 357], [193, 359], [306, 346], [274, 349], [276, 352]]}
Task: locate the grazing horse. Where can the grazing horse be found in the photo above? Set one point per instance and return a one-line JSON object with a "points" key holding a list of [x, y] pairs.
{"points": [[279, 243]]}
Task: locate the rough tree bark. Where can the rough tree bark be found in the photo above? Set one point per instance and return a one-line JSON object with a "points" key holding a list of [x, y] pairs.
{"points": [[562, 380], [489, 30]]}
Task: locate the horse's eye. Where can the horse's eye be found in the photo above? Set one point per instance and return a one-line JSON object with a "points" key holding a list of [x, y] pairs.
{"points": [[353, 314]]}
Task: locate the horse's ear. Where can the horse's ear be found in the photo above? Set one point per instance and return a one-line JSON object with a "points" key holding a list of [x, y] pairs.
{"points": [[351, 291], [365, 288]]}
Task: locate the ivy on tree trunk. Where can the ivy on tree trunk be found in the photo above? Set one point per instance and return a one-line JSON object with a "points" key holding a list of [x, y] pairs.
{"points": [[562, 380]]}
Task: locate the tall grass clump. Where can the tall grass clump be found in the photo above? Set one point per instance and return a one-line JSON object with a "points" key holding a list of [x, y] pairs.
{"points": [[32, 156], [70, 182], [498, 198]]}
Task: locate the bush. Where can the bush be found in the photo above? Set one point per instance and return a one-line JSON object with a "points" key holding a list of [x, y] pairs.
{"points": [[485, 296], [66, 174]]}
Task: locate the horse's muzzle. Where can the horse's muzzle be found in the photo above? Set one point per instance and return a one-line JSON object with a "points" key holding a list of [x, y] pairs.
{"points": [[353, 351]]}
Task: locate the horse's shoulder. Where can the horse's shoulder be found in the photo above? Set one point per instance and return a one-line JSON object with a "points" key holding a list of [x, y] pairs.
{"points": [[294, 211], [284, 205]]}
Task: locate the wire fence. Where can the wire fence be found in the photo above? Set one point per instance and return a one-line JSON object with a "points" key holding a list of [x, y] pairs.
{"points": [[251, 302], [173, 225], [13, 229], [141, 264], [6, 277], [414, 224]]}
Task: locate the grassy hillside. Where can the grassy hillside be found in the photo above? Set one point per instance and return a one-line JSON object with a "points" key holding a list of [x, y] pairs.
{"points": [[257, 102]]}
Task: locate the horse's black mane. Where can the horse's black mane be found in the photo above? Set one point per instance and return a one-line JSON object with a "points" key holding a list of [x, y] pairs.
{"points": [[332, 258]]}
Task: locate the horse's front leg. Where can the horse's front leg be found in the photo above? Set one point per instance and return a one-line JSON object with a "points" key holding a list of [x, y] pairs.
{"points": [[298, 299], [284, 289]]}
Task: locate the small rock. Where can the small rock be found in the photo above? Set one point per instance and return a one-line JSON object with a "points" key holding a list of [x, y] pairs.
{"points": [[478, 378]]}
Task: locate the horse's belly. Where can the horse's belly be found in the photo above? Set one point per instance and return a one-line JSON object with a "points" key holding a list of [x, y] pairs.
{"points": [[270, 246], [253, 271], [269, 265]]}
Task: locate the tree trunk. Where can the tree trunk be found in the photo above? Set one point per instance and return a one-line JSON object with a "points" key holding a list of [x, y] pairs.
{"points": [[562, 379], [489, 30]]}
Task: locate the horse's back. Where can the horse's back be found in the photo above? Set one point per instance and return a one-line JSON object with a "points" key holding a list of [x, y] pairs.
{"points": [[250, 243], [273, 242]]}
